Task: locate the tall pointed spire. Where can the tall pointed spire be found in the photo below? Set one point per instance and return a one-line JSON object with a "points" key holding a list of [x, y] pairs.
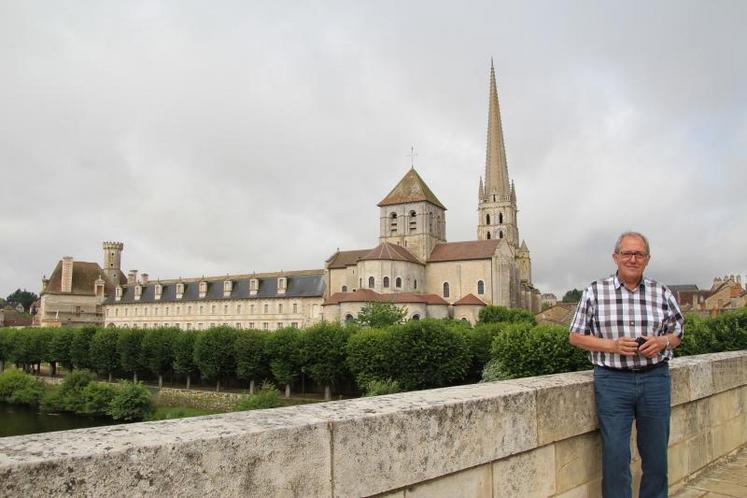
{"points": [[496, 168]]}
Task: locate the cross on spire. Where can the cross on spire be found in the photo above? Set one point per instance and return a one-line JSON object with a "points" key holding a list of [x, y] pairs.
{"points": [[412, 155]]}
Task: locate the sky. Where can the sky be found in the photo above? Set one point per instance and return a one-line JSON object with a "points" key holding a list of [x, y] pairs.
{"points": [[232, 137]]}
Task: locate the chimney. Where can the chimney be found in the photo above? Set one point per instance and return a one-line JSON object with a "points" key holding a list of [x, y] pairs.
{"points": [[67, 274], [132, 277], [144, 279]]}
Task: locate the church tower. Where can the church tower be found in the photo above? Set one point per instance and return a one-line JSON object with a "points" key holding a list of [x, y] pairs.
{"points": [[496, 196]]}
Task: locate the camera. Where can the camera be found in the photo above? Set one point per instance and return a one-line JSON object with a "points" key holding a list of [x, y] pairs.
{"points": [[641, 341]]}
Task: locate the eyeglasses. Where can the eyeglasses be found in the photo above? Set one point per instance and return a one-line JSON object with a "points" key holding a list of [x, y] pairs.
{"points": [[630, 255]]}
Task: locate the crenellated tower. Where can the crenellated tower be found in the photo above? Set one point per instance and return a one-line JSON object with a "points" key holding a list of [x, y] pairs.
{"points": [[496, 195], [113, 262]]}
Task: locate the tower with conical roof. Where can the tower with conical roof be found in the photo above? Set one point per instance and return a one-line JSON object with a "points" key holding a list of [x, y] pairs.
{"points": [[411, 216], [497, 197]]}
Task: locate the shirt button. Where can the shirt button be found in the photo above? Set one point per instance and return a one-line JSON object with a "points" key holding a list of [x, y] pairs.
{"points": [[632, 322]]}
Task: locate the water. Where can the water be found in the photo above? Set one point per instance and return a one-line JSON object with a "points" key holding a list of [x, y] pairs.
{"points": [[20, 419]]}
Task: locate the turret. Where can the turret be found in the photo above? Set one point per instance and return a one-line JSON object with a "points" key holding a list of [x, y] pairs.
{"points": [[113, 261]]}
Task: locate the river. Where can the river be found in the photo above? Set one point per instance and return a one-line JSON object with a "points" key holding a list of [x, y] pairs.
{"points": [[20, 419]]}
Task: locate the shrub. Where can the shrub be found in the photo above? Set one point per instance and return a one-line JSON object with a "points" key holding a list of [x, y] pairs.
{"points": [[380, 387], [369, 355], [524, 351], [81, 345], [699, 337], [479, 340], [379, 315], [494, 370], [131, 403], [71, 390], [20, 388], [323, 352], [267, 397], [497, 314], [96, 398]]}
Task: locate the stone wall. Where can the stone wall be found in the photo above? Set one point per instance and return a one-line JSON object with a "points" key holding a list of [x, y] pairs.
{"points": [[526, 437], [208, 400]]}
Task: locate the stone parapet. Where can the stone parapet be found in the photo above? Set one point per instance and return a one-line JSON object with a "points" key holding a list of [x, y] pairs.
{"points": [[525, 437]]}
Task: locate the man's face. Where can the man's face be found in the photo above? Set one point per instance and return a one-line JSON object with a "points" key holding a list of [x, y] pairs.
{"points": [[632, 259]]}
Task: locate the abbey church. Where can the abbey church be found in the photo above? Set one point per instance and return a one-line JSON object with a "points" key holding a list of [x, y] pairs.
{"points": [[413, 266]]}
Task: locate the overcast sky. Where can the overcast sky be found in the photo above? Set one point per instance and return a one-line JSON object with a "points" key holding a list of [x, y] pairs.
{"points": [[231, 137]]}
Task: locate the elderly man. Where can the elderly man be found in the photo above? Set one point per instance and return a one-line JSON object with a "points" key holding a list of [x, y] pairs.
{"points": [[630, 325]]}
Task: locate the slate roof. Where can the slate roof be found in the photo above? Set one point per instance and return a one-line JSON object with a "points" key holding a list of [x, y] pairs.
{"points": [[84, 276], [411, 188], [369, 296], [300, 285], [342, 259], [459, 251], [470, 299], [390, 252]]}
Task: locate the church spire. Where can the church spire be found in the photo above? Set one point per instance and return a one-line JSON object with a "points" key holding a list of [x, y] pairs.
{"points": [[496, 168]]}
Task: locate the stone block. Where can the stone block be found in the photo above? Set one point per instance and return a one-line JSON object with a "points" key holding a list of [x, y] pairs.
{"points": [[565, 405], [680, 375], [728, 436], [577, 460], [389, 442], [689, 419], [525, 474], [699, 452], [239, 454], [589, 490], [729, 371], [725, 405], [677, 456], [701, 377], [474, 482]]}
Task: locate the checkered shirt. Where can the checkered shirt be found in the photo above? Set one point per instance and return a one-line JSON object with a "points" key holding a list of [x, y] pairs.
{"points": [[609, 310]]}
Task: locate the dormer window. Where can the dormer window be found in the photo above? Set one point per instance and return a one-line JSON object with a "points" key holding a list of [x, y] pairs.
{"points": [[227, 288], [118, 293], [179, 290], [98, 287], [282, 285], [253, 286], [158, 291], [138, 292], [203, 289]]}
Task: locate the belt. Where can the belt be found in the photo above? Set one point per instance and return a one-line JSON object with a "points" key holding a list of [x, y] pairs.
{"points": [[642, 369]]}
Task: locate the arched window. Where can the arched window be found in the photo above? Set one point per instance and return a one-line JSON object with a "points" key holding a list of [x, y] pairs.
{"points": [[500, 234], [500, 217], [398, 282], [487, 219], [393, 222], [488, 235], [371, 282], [344, 288], [348, 318], [413, 221], [415, 317], [480, 287], [386, 282], [446, 289]]}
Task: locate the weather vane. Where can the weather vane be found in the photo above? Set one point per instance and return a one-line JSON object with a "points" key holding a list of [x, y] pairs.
{"points": [[412, 155]]}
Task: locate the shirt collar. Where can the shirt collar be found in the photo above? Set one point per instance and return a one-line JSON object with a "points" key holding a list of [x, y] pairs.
{"points": [[618, 283]]}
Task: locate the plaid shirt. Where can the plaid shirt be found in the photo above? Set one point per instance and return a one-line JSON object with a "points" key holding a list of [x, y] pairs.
{"points": [[609, 310]]}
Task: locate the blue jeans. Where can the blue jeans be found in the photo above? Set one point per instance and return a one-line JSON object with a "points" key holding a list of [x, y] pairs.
{"points": [[621, 397]]}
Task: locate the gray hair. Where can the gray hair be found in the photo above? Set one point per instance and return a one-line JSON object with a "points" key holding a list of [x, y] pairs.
{"points": [[631, 234]]}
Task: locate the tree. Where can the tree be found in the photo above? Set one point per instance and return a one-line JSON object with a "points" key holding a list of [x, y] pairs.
{"points": [[59, 348], [103, 351], [81, 345], [283, 351], [6, 346], [498, 314], [572, 296], [158, 351], [23, 297], [323, 348], [184, 363], [379, 315], [214, 353], [129, 348], [132, 402], [251, 357]]}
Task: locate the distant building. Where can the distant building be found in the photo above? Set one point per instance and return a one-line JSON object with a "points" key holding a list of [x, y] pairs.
{"points": [[10, 317], [549, 300], [725, 294], [559, 314]]}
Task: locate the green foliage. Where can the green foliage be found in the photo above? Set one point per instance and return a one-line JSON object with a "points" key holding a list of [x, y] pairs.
{"points": [[158, 349], [572, 296], [7, 343], [500, 314], [369, 355], [494, 370], [18, 387], [480, 339], [130, 350], [96, 398], [524, 351], [283, 350], [214, 352], [60, 346], [80, 346], [103, 350], [184, 363], [379, 387], [267, 397], [323, 352], [24, 297], [171, 412], [131, 403], [71, 392], [726, 332], [251, 358], [379, 315]]}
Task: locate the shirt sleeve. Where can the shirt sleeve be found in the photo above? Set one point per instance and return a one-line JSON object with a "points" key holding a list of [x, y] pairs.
{"points": [[675, 321], [584, 315]]}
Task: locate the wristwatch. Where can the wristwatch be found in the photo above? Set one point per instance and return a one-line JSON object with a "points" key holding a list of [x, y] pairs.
{"points": [[669, 343]]}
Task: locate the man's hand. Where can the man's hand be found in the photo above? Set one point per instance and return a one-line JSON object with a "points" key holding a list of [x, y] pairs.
{"points": [[653, 346], [625, 346]]}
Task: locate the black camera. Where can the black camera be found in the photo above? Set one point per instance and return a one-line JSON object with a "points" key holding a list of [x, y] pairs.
{"points": [[641, 341]]}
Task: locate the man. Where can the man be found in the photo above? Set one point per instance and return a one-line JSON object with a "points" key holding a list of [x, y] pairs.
{"points": [[631, 381]]}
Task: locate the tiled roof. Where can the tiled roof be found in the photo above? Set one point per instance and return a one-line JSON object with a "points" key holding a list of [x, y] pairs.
{"points": [[458, 251], [682, 288], [411, 188], [84, 277], [302, 285], [342, 259], [390, 252], [370, 296], [470, 299]]}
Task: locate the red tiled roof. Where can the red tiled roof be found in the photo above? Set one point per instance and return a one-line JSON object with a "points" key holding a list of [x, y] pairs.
{"points": [[457, 251], [390, 252], [341, 259], [470, 299], [369, 296], [411, 188]]}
